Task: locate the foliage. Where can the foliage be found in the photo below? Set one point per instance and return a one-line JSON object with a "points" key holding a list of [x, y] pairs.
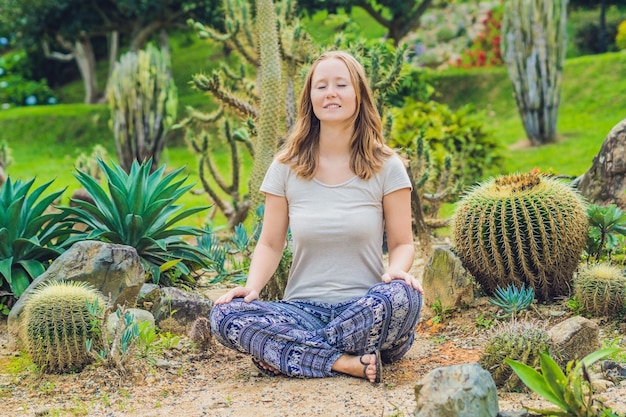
{"points": [[16, 86], [143, 101], [458, 133], [57, 325], [601, 289], [140, 211], [31, 235], [484, 50], [513, 299], [521, 229], [399, 17], [115, 348], [571, 391], [519, 340], [442, 313], [620, 37], [606, 225], [593, 36]]}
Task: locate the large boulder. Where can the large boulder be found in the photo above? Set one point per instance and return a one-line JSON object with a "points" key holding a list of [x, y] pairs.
{"points": [[113, 269], [445, 279]]}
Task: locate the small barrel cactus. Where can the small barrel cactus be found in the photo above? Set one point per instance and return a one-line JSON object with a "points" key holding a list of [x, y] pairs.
{"points": [[601, 289], [521, 229], [521, 341], [56, 325]]}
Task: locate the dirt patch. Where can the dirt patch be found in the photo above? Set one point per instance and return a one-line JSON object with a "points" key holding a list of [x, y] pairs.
{"points": [[225, 383]]}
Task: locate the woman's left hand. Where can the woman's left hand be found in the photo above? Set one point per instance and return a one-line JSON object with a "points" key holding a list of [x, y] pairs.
{"points": [[404, 276]]}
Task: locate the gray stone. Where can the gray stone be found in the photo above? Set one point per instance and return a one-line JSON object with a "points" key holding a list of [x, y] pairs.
{"points": [[182, 306], [446, 279], [465, 390], [113, 269], [139, 316], [574, 338]]}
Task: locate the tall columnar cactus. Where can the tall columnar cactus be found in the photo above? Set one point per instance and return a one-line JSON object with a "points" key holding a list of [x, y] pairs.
{"points": [[601, 289], [269, 121], [521, 229], [534, 46], [143, 101], [522, 341], [56, 325]]}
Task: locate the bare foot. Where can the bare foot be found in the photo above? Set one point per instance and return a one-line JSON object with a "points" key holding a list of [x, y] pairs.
{"points": [[265, 368], [366, 366]]}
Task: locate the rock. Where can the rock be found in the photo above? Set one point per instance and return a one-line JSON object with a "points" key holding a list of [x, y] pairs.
{"points": [[182, 306], [113, 269], [574, 338], [464, 390], [446, 279], [139, 316]]}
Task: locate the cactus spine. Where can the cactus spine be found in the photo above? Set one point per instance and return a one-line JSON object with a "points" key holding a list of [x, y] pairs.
{"points": [[521, 229], [143, 101], [56, 325], [518, 340], [601, 289], [534, 46]]}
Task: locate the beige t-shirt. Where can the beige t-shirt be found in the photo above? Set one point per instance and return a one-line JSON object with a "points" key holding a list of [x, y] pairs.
{"points": [[337, 231]]}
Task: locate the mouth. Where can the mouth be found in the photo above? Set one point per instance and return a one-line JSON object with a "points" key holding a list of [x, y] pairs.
{"points": [[332, 106]]}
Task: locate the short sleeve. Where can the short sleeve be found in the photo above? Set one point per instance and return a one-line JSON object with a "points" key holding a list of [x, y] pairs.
{"points": [[395, 175], [275, 179]]}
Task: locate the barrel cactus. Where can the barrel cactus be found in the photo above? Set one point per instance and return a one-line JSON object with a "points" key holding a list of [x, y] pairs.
{"points": [[601, 289], [56, 325], [521, 341], [521, 229]]}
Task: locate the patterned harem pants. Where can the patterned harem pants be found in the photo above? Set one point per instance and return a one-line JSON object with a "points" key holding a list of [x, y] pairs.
{"points": [[305, 338]]}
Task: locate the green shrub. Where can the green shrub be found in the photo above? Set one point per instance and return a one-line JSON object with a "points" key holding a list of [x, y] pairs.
{"points": [[16, 87], [461, 134], [620, 38], [586, 31], [31, 235], [140, 211]]}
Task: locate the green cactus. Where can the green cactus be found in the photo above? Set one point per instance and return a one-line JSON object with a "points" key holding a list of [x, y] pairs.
{"points": [[522, 341], [601, 289], [534, 44], [56, 325], [521, 229], [143, 101]]}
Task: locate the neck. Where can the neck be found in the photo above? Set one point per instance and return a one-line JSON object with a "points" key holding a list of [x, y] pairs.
{"points": [[335, 140]]}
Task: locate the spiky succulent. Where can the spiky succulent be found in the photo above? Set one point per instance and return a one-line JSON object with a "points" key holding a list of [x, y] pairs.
{"points": [[521, 341], [513, 299], [521, 229], [601, 289], [56, 325]]}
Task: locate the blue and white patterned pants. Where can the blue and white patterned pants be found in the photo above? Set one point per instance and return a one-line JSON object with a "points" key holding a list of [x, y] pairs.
{"points": [[305, 338]]}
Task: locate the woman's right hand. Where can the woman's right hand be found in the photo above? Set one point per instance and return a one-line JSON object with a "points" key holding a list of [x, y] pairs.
{"points": [[248, 294]]}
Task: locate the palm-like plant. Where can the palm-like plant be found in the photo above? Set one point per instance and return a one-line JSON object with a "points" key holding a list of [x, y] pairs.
{"points": [[30, 235], [140, 211]]}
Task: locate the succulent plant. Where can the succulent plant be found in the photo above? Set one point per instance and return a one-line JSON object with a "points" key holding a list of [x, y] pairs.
{"points": [[513, 299], [601, 289], [200, 333], [521, 341], [521, 229], [56, 325]]}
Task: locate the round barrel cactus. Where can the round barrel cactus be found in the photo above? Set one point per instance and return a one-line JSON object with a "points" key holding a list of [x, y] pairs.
{"points": [[601, 289], [56, 325], [521, 229], [521, 341]]}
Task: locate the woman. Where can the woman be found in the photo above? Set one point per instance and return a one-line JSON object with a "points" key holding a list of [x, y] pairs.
{"points": [[338, 187]]}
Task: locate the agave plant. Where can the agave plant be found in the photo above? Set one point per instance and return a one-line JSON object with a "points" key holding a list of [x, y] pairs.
{"points": [[30, 235], [140, 211], [512, 299]]}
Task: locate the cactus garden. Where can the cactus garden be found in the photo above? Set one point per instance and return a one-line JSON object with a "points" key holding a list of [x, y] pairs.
{"points": [[129, 199]]}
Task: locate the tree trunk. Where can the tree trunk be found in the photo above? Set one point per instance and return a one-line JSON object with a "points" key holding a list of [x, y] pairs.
{"points": [[86, 61], [605, 182]]}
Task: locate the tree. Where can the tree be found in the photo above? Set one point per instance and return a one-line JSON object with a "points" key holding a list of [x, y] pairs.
{"points": [[603, 5], [65, 29], [399, 17]]}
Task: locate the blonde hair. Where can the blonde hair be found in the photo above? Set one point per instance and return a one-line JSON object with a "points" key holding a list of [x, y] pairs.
{"points": [[367, 145]]}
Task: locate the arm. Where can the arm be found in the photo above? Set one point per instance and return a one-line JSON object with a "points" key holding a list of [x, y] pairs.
{"points": [[267, 252], [397, 213]]}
